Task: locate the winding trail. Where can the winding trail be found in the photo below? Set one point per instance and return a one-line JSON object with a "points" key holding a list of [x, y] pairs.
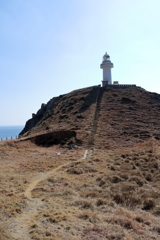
{"points": [[19, 227], [38, 179]]}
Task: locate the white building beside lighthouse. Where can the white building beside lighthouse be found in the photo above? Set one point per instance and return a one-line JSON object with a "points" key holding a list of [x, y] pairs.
{"points": [[106, 65]]}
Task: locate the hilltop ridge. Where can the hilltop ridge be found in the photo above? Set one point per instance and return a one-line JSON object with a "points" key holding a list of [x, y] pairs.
{"points": [[115, 116]]}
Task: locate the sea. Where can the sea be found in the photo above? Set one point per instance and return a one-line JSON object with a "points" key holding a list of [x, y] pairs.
{"points": [[10, 132]]}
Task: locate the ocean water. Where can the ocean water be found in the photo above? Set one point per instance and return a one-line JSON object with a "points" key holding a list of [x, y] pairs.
{"points": [[10, 131]]}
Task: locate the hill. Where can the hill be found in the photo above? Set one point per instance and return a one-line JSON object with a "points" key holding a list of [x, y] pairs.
{"points": [[70, 112], [112, 117], [87, 168]]}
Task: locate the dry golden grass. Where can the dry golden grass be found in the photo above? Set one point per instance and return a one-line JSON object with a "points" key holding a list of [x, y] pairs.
{"points": [[113, 194], [55, 194]]}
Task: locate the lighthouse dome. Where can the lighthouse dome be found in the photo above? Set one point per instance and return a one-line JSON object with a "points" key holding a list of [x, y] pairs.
{"points": [[106, 57]]}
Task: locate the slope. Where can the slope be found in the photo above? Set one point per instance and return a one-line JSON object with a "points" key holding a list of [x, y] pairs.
{"points": [[127, 116], [50, 191], [106, 117]]}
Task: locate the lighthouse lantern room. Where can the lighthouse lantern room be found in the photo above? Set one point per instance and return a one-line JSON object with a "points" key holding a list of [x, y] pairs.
{"points": [[106, 65]]}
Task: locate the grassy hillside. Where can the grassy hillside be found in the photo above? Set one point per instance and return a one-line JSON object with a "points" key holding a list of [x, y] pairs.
{"points": [[93, 174]]}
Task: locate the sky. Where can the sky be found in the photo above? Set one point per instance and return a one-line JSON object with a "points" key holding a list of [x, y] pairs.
{"points": [[52, 47]]}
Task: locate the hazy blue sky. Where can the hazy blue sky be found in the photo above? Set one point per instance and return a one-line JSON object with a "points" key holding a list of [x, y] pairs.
{"points": [[51, 47]]}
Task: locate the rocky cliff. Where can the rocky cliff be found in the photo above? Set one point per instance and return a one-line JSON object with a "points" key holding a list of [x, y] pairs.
{"points": [[69, 112]]}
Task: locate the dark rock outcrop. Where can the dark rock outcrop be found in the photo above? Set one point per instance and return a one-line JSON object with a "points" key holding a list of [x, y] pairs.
{"points": [[52, 138], [41, 113]]}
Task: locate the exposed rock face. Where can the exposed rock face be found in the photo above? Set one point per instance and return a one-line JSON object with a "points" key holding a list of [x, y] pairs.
{"points": [[113, 117], [41, 113]]}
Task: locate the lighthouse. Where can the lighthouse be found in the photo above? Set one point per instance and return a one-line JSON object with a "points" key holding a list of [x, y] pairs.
{"points": [[106, 65]]}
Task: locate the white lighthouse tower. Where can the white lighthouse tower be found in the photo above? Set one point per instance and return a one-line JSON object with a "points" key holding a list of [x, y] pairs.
{"points": [[106, 65]]}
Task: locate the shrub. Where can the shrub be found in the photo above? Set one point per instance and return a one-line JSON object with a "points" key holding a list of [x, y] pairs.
{"points": [[149, 177], [148, 204], [100, 202], [94, 233], [118, 199], [80, 116], [75, 171], [127, 200], [115, 179], [138, 180], [87, 205], [91, 194]]}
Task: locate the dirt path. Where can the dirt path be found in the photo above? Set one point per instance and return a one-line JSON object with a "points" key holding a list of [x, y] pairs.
{"points": [[38, 179], [20, 226], [43, 176]]}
